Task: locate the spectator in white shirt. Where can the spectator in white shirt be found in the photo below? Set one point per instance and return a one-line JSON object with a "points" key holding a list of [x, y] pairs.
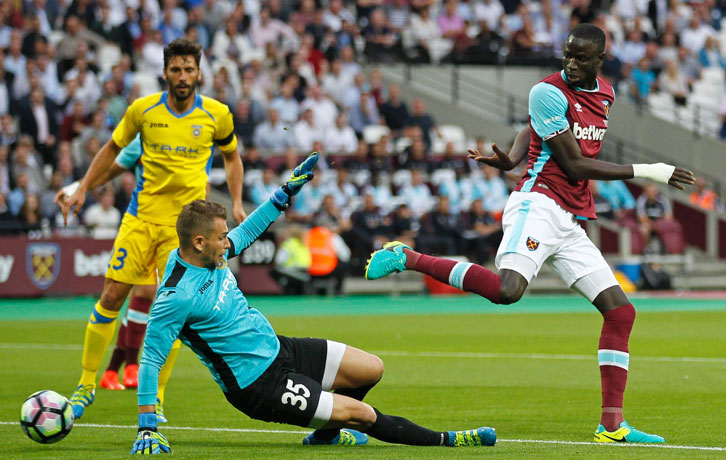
{"points": [[341, 137], [229, 44], [348, 61], [306, 132], [271, 30], [152, 53], [489, 11], [633, 50], [343, 191], [335, 14], [272, 134], [417, 195], [335, 83], [324, 109], [492, 190], [103, 218], [694, 37], [286, 105], [421, 31]]}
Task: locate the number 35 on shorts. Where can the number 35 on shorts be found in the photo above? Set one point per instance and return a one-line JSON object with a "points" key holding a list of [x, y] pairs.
{"points": [[297, 396]]}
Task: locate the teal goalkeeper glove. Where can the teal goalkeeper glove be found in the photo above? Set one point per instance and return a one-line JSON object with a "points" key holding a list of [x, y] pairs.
{"points": [[300, 176], [148, 440]]}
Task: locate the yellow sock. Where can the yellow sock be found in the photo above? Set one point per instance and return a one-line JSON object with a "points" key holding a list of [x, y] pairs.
{"points": [[99, 332], [167, 368]]}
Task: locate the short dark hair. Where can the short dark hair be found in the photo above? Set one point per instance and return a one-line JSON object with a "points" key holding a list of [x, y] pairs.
{"points": [[182, 47], [198, 218], [590, 33]]}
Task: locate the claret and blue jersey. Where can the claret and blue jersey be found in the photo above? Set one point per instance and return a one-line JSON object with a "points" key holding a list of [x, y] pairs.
{"points": [[206, 310], [555, 107]]}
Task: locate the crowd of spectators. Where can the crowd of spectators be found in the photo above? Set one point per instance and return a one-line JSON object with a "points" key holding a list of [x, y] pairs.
{"points": [[291, 74]]}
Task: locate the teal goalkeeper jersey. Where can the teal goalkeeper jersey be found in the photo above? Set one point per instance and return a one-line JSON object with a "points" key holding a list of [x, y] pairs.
{"points": [[207, 311]]}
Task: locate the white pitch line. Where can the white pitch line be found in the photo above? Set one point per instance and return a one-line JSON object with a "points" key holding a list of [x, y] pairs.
{"points": [[520, 441], [427, 354]]}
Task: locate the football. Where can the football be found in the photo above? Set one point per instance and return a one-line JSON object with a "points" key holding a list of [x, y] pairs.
{"points": [[46, 417]]}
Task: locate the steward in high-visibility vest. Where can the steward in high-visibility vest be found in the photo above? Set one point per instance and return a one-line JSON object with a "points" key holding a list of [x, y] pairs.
{"points": [[323, 258]]}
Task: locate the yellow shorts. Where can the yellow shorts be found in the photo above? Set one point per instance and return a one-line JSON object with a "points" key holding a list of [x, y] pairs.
{"points": [[140, 248]]}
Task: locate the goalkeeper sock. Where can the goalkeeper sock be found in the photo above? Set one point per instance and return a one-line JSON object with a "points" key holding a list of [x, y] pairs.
{"points": [[614, 357], [167, 368], [398, 430], [137, 315], [462, 275], [99, 331], [355, 393]]}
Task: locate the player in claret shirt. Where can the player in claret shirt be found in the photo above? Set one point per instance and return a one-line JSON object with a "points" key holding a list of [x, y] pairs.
{"points": [[568, 113]]}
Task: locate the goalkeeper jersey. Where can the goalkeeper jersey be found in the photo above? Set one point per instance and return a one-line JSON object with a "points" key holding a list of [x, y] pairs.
{"points": [[207, 311]]}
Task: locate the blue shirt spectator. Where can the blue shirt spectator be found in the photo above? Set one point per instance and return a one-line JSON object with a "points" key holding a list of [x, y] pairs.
{"points": [[617, 194]]}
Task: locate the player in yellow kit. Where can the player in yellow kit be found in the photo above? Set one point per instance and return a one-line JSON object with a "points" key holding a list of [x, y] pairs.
{"points": [[179, 130]]}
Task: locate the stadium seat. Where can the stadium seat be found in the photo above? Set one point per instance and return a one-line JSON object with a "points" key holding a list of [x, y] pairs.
{"points": [[402, 143], [449, 133], [373, 133]]}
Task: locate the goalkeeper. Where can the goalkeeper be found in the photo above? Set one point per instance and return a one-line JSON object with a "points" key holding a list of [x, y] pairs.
{"points": [[266, 376]]}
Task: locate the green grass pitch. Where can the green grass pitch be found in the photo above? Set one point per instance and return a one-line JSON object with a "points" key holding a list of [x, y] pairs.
{"points": [[529, 369]]}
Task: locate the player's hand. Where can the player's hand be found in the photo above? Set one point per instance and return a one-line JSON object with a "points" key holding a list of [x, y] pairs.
{"points": [[681, 176], [150, 442], [75, 201], [59, 198], [302, 174], [65, 192], [238, 213], [499, 160]]}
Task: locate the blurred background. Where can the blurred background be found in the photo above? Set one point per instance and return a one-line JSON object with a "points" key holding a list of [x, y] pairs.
{"points": [[392, 93]]}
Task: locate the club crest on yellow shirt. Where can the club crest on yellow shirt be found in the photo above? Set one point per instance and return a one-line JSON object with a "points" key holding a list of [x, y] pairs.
{"points": [[196, 130]]}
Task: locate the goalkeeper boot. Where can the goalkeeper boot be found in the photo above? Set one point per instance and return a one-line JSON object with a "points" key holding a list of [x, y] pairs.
{"points": [[82, 397], [385, 261], [110, 381], [160, 412], [131, 375], [346, 437], [483, 436], [625, 433]]}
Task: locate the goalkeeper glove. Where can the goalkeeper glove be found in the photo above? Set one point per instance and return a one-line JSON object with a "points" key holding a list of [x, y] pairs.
{"points": [[148, 440], [300, 176]]}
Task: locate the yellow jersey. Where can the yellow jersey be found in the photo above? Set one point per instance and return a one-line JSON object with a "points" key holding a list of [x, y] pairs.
{"points": [[176, 153]]}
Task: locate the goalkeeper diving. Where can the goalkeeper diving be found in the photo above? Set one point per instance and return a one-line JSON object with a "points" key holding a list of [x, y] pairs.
{"points": [[266, 376]]}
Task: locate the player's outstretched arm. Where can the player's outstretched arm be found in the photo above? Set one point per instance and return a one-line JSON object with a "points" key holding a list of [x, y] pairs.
{"points": [[506, 161], [260, 220], [148, 439], [566, 152], [101, 164]]}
